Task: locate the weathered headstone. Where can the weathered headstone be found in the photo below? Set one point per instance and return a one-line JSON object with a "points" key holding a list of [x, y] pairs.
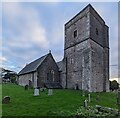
{"points": [[85, 103], [6, 100], [30, 84], [89, 97], [26, 87], [50, 92], [36, 92]]}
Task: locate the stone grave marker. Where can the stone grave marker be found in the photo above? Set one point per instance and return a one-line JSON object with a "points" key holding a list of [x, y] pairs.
{"points": [[26, 87], [36, 92], [85, 103], [50, 92], [89, 97], [6, 100], [30, 84]]}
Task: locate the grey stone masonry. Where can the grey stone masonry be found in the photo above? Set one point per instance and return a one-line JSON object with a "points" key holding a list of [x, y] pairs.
{"points": [[86, 52]]}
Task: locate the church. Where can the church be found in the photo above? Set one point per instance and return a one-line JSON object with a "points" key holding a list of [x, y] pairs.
{"points": [[85, 64]]}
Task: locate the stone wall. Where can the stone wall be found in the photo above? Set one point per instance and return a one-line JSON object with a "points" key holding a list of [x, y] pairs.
{"points": [[97, 67], [82, 26], [75, 67], [47, 72], [85, 67], [24, 79], [62, 73], [86, 56], [48, 67]]}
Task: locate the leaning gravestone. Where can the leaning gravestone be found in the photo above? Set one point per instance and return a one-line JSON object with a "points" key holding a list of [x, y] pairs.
{"points": [[50, 92], [26, 87], [36, 92], [6, 100]]}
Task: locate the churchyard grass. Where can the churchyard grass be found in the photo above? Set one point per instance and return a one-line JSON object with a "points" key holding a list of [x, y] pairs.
{"points": [[23, 103], [0, 100]]}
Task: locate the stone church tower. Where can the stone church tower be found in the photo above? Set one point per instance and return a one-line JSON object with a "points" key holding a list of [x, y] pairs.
{"points": [[86, 52]]}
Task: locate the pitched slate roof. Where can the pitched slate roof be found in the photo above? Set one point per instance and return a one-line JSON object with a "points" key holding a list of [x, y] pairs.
{"points": [[31, 67]]}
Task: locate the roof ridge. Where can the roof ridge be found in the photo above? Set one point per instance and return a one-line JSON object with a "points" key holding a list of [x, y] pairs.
{"points": [[31, 67], [37, 59], [43, 59]]}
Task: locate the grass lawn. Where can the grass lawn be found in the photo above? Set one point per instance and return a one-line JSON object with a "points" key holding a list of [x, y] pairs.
{"points": [[0, 100], [23, 103]]}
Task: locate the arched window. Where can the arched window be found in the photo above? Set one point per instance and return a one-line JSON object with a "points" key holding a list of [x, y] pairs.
{"points": [[52, 73]]}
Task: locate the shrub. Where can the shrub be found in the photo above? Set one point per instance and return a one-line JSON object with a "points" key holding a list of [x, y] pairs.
{"points": [[91, 111], [88, 112]]}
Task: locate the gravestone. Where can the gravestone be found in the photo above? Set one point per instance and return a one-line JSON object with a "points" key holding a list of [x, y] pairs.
{"points": [[89, 97], [6, 100], [26, 87], [85, 103], [36, 92], [30, 84], [50, 92]]}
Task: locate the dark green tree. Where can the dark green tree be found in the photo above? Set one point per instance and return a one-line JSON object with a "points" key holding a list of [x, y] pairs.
{"points": [[114, 85]]}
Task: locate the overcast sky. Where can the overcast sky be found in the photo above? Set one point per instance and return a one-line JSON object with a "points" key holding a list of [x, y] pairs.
{"points": [[30, 30]]}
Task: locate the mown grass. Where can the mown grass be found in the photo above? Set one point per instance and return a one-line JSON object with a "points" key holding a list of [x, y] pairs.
{"points": [[0, 100], [23, 103]]}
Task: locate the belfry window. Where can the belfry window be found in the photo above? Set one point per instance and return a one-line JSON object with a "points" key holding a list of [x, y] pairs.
{"points": [[75, 34]]}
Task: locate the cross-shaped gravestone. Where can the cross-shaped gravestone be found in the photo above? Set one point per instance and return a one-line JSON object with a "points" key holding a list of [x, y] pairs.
{"points": [[50, 92], [36, 92]]}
